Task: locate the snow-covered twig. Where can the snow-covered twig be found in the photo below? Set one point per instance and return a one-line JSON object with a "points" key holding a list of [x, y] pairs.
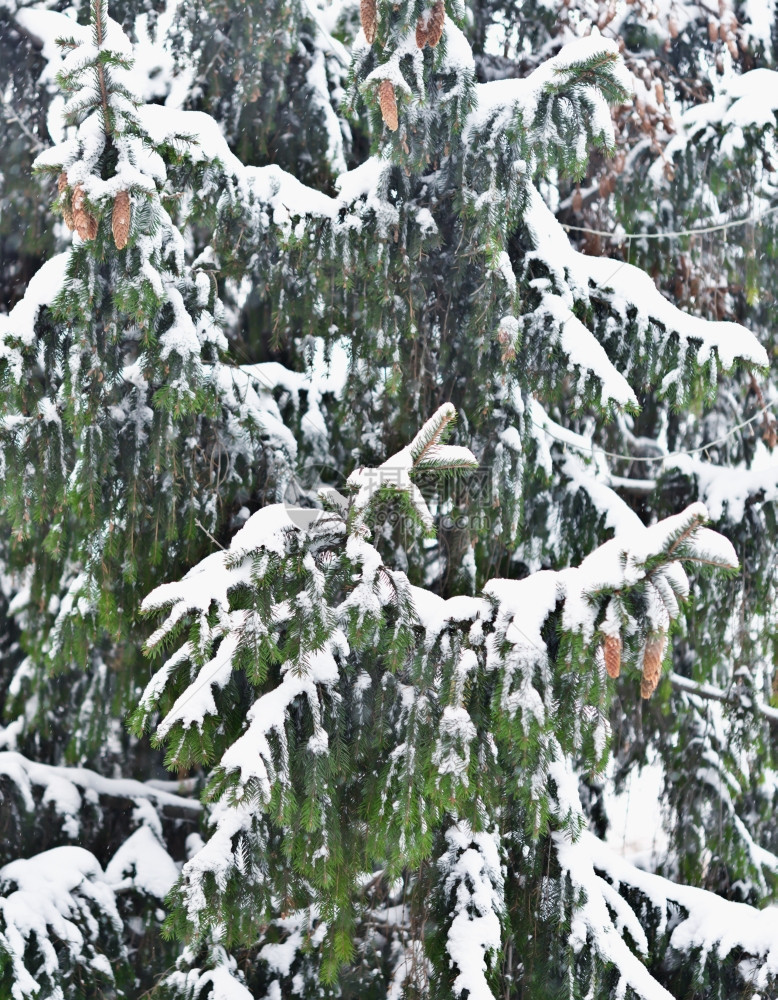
{"points": [[711, 692]]}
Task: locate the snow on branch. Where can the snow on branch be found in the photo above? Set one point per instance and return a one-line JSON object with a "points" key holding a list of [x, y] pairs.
{"points": [[67, 788], [58, 922], [474, 886], [269, 195], [711, 925], [709, 692], [323, 376], [17, 328], [589, 71], [586, 466], [727, 491], [632, 297], [143, 864], [290, 606], [747, 101], [708, 924], [583, 351], [221, 977], [424, 453], [643, 554]]}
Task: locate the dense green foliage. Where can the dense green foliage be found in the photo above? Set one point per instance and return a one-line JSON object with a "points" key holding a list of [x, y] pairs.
{"points": [[243, 536]]}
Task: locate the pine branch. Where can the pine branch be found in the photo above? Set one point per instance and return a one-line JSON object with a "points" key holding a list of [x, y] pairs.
{"points": [[99, 29], [12, 117], [430, 434], [696, 523], [712, 693]]}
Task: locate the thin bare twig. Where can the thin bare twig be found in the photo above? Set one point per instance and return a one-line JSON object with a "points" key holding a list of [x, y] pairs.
{"points": [[10, 116]]}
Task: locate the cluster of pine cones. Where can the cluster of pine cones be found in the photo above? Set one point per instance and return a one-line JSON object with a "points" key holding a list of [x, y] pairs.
{"points": [[429, 29], [653, 654], [78, 217]]}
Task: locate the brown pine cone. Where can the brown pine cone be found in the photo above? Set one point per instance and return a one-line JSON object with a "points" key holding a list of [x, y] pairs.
{"points": [[421, 30], [437, 19], [369, 18], [653, 653], [84, 222], [611, 648], [67, 211], [120, 222], [388, 105]]}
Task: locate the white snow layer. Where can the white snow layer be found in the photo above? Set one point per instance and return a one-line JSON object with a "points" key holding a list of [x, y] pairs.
{"points": [[500, 101], [742, 101], [19, 324], [725, 489], [624, 286], [48, 899], [142, 863], [475, 876], [710, 923], [64, 787], [707, 923], [615, 565]]}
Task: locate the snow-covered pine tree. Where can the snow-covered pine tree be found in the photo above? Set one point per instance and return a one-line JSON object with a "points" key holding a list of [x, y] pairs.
{"points": [[399, 693], [690, 197], [122, 432]]}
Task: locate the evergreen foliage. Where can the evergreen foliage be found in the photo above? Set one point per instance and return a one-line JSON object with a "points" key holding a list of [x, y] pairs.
{"points": [[406, 527]]}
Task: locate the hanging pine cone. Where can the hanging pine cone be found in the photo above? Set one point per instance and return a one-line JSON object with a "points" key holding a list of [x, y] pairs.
{"points": [[421, 30], [67, 211], [120, 223], [611, 648], [388, 105], [84, 222], [67, 215], [437, 19], [369, 18], [653, 653]]}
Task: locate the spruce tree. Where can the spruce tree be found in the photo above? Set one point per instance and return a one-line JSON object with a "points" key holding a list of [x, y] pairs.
{"points": [[690, 197], [340, 481]]}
